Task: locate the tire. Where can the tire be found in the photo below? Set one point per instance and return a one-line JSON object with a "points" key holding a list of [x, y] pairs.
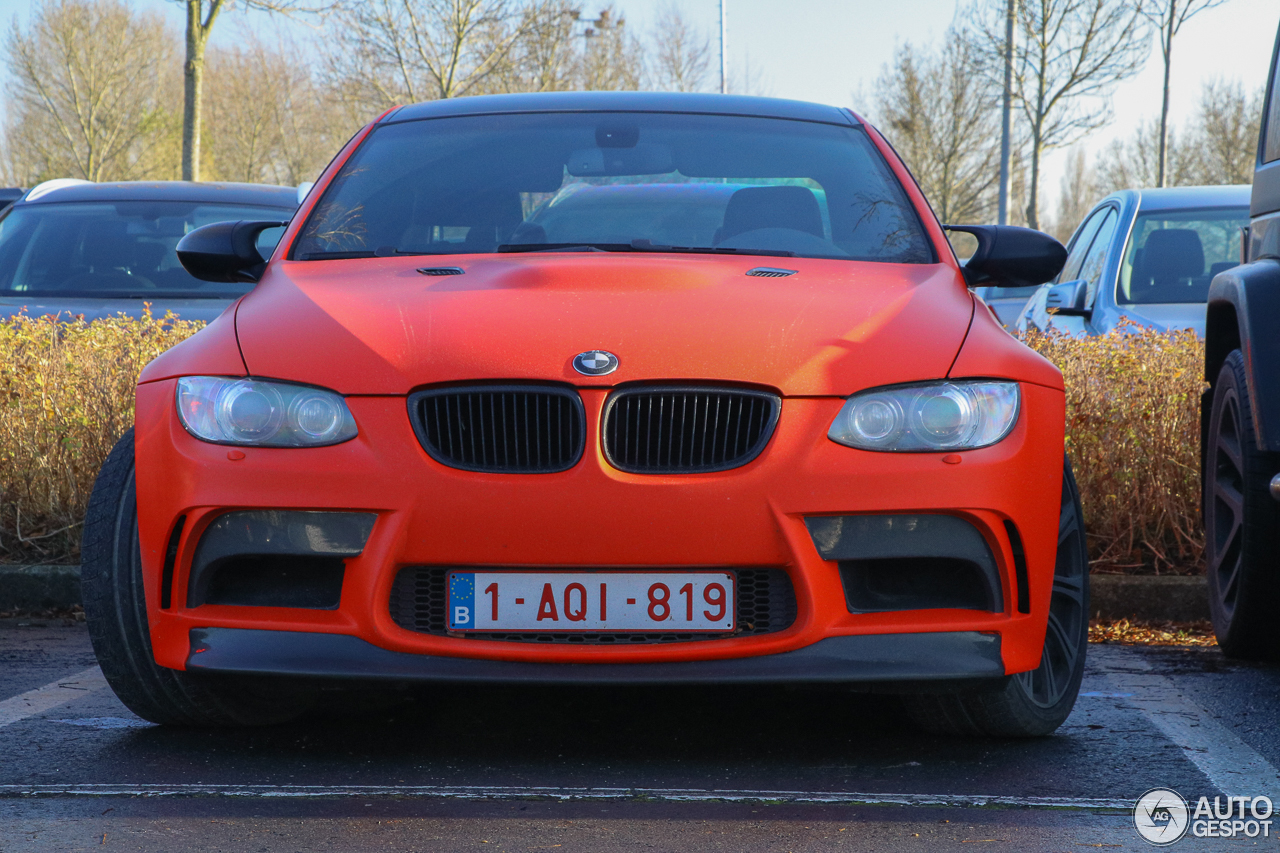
{"points": [[1242, 523], [1035, 703], [116, 612]]}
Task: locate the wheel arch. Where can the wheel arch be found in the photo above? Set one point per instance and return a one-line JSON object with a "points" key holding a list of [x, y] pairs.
{"points": [[1244, 304]]}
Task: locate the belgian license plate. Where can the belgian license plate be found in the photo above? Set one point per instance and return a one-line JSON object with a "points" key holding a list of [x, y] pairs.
{"points": [[592, 601]]}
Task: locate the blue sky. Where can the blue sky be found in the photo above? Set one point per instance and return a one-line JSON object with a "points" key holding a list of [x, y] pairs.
{"points": [[826, 50]]}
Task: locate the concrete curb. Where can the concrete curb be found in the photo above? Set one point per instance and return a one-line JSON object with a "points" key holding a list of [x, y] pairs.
{"points": [[1168, 598], [1138, 597], [39, 587]]}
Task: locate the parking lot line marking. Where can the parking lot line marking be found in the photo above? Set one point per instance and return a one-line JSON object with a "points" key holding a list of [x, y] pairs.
{"points": [[1233, 767], [558, 793], [50, 696]]}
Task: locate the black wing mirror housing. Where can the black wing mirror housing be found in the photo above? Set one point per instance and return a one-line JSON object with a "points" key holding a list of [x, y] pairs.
{"points": [[1009, 256], [225, 251], [1068, 298]]}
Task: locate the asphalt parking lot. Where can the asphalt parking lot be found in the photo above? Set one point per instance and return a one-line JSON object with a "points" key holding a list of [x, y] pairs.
{"points": [[734, 769]]}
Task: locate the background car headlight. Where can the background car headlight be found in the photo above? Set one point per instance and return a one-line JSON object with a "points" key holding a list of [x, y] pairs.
{"points": [[930, 417], [262, 414]]}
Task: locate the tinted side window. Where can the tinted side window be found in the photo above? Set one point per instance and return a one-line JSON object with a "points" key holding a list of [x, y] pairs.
{"points": [[1271, 151], [1096, 260], [1080, 245]]}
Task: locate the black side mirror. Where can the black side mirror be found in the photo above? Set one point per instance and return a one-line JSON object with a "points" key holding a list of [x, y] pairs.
{"points": [[1009, 256], [225, 251], [1068, 298]]}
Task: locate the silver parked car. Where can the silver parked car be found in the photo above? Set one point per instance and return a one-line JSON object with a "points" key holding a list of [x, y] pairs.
{"points": [[1148, 255], [73, 247]]}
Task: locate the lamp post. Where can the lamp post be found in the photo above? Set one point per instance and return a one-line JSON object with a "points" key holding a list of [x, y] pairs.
{"points": [[724, 76], [1006, 111]]}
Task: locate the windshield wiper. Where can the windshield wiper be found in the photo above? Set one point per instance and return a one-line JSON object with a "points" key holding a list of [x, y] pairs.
{"points": [[333, 256], [564, 247], [643, 245], [640, 245]]}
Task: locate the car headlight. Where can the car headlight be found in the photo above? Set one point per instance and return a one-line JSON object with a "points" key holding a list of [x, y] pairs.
{"points": [[929, 417], [262, 414]]}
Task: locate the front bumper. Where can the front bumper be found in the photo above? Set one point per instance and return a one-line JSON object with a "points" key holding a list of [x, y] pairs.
{"points": [[594, 516]]}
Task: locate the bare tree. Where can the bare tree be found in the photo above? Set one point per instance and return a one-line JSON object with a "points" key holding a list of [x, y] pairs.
{"points": [[1077, 196], [201, 16], [941, 116], [87, 92], [612, 59], [271, 118], [546, 57], [401, 51], [1225, 136], [1218, 146], [1133, 162], [681, 53], [1168, 16], [1069, 57]]}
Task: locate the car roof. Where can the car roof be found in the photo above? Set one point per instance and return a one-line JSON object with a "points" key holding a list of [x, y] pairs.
{"points": [[1178, 198], [643, 102], [212, 192]]}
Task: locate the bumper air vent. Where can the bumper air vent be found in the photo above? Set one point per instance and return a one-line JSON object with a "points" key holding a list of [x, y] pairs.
{"points": [[766, 605], [687, 430], [509, 429]]}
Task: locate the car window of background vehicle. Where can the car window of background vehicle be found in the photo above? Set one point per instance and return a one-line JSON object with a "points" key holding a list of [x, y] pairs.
{"points": [[105, 249], [1096, 259], [1080, 246], [1173, 255], [474, 184], [1271, 150]]}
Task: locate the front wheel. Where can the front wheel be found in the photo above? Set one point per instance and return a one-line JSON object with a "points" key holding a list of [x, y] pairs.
{"points": [[1035, 703], [116, 611]]}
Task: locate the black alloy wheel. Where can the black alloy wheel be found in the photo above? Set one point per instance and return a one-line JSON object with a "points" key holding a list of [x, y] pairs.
{"points": [[1241, 520], [1035, 703]]}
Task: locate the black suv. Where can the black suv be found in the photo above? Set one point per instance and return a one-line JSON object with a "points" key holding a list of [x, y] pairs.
{"points": [[1240, 418]]}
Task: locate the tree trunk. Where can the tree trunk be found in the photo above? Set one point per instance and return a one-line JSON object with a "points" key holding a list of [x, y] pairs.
{"points": [[193, 80], [1162, 166]]}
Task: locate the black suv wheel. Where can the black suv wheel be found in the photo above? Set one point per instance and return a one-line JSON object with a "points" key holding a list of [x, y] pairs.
{"points": [[1241, 521]]}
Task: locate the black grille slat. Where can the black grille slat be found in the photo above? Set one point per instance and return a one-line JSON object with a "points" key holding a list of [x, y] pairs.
{"points": [[685, 430], [530, 429], [766, 605]]}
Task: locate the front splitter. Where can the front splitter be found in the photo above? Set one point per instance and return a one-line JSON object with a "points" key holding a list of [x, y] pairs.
{"points": [[866, 658]]}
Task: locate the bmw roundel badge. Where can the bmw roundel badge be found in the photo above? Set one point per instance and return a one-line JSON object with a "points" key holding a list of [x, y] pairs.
{"points": [[595, 362]]}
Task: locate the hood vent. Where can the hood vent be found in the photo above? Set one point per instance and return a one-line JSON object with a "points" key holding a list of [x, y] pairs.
{"points": [[441, 270], [771, 272], [507, 429], [687, 430]]}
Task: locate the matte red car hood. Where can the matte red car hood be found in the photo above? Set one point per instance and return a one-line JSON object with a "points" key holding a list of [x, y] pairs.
{"points": [[378, 326]]}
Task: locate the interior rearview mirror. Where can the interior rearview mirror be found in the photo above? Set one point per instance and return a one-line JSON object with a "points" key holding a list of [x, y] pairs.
{"points": [[1009, 256], [225, 251]]}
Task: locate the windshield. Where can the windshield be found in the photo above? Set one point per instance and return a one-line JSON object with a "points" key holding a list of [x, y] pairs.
{"points": [[1173, 255], [115, 249], [617, 182]]}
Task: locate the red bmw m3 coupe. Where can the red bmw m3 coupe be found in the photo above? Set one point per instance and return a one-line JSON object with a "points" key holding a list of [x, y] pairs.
{"points": [[599, 388]]}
